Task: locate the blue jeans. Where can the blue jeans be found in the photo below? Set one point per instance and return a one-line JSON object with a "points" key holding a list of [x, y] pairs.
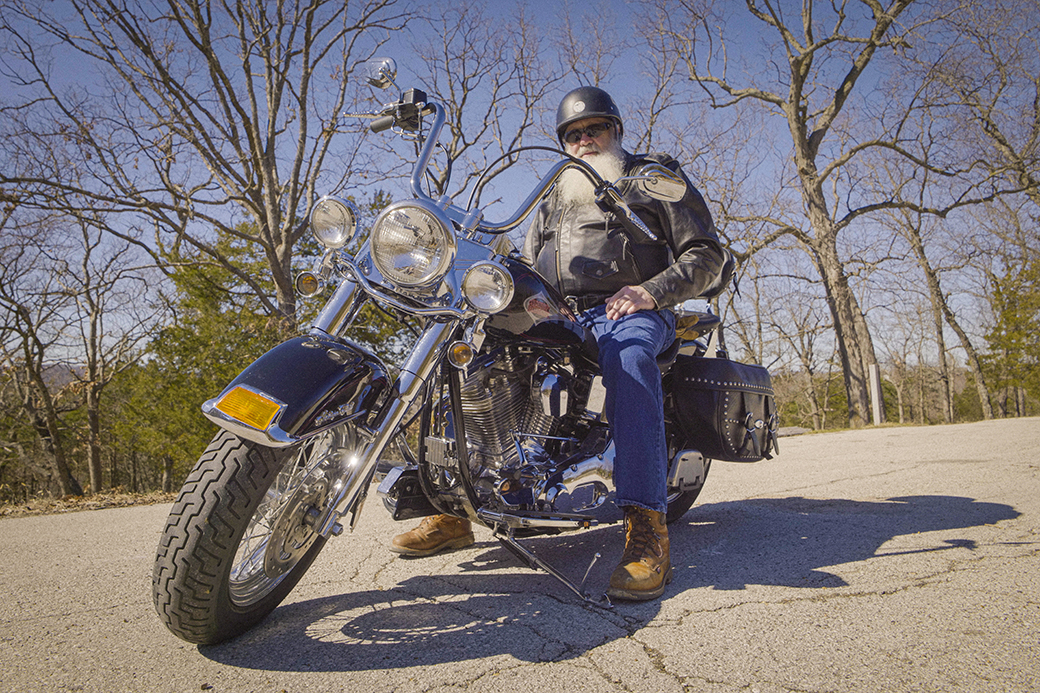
{"points": [[628, 350]]}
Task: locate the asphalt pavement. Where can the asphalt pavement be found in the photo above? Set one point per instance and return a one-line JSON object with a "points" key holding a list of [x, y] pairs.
{"points": [[891, 559]]}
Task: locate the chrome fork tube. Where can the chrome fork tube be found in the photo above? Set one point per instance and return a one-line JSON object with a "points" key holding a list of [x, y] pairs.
{"points": [[409, 385], [339, 312]]}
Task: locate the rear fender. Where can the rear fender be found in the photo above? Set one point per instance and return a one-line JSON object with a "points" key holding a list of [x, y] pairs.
{"points": [[299, 388]]}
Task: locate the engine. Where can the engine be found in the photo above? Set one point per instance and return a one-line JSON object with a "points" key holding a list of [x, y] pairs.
{"points": [[502, 400]]}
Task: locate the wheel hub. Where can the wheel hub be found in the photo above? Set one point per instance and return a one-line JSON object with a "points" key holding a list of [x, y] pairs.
{"points": [[296, 527]]}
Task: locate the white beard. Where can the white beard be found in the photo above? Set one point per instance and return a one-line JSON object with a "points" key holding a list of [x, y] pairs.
{"points": [[575, 189]]}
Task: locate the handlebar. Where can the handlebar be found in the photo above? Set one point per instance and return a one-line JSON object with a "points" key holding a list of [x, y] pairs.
{"points": [[382, 123], [607, 196]]}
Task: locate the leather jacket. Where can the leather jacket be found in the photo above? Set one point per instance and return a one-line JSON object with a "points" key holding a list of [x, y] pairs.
{"points": [[586, 252]]}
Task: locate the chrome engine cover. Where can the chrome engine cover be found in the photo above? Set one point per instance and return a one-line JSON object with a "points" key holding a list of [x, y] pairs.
{"points": [[513, 406]]}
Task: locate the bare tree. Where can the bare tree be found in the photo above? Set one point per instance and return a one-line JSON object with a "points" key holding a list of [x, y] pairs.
{"points": [[33, 322], [492, 74], [816, 65], [589, 43], [1011, 270], [200, 116], [989, 78], [113, 318], [907, 367], [802, 328], [980, 102], [912, 226]]}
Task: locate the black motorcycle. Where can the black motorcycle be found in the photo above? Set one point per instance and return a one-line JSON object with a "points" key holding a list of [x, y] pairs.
{"points": [[502, 386]]}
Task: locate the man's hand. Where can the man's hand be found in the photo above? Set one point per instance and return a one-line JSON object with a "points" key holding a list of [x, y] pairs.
{"points": [[631, 299]]}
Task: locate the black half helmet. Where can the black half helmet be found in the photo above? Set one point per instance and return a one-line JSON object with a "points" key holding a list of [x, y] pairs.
{"points": [[586, 102]]}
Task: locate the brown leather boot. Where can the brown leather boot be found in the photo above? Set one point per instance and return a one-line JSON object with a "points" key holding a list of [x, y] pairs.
{"points": [[435, 533], [645, 566]]}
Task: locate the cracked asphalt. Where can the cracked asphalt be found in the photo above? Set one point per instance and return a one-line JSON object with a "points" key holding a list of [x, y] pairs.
{"points": [[892, 559]]}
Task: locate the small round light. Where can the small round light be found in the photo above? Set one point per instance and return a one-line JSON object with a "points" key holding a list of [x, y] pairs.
{"points": [[308, 284], [460, 354], [488, 287], [334, 222]]}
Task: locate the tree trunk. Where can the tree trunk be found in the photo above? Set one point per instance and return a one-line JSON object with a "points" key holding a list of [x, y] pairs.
{"points": [[45, 421], [851, 333], [945, 381], [921, 393], [814, 401], [94, 441], [940, 305], [902, 407], [66, 484], [850, 342], [866, 351], [134, 482], [167, 474]]}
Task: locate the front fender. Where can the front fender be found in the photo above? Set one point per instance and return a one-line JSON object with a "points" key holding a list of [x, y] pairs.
{"points": [[300, 387]]}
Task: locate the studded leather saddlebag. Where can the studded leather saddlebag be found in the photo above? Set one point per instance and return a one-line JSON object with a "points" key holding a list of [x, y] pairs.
{"points": [[725, 408]]}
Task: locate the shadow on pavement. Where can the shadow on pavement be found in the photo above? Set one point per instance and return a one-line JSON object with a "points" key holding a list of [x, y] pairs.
{"points": [[787, 541], [433, 619]]}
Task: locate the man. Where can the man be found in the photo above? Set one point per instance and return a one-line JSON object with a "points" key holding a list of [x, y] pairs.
{"points": [[622, 290]]}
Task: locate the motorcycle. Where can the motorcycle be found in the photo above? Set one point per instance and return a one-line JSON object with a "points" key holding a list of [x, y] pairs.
{"points": [[502, 383]]}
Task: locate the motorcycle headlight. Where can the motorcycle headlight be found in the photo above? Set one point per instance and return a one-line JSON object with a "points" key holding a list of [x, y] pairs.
{"points": [[334, 222], [488, 287], [412, 244]]}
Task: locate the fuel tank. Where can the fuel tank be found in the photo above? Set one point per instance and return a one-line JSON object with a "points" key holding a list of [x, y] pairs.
{"points": [[537, 313]]}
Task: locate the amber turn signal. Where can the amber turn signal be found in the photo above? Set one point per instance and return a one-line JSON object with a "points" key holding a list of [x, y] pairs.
{"points": [[460, 354], [251, 408]]}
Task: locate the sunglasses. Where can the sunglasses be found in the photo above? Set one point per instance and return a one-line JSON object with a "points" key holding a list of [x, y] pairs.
{"points": [[593, 131]]}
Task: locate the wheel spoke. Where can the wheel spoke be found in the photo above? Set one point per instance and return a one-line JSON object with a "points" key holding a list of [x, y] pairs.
{"points": [[273, 543]]}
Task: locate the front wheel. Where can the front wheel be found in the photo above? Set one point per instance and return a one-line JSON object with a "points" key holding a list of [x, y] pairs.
{"points": [[242, 532]]}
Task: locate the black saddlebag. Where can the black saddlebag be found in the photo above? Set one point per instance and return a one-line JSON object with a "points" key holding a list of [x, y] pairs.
{"points": [[725, 408]]}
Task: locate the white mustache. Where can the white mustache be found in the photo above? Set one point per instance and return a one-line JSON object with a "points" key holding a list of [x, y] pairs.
{"points": [[575, 188]]}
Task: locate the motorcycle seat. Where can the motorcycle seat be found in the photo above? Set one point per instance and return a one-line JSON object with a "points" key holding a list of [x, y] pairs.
{"points": [[667, 357]]}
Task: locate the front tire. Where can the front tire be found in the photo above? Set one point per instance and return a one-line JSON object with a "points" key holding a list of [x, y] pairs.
{"points": [[242, 533]]}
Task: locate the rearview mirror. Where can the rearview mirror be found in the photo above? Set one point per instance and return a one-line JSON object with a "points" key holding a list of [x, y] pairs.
{"points": [[660, 183], [381, 72]]}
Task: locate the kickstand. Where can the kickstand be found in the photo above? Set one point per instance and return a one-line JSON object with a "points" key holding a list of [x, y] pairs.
{"points": [[528, 557]]}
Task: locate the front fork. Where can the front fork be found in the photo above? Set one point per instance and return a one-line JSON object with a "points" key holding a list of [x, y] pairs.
{"points": [[409, 385]]}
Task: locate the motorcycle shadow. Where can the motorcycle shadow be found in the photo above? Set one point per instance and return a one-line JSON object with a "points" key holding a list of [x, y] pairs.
{"points": [[496, 606]]}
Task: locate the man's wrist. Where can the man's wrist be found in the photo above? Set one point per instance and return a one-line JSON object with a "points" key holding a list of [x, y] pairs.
{"points": [[653, 298]]}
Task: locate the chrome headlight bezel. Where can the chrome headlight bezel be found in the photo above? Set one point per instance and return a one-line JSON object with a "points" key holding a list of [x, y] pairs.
{"points": [[487, 287], [401, 261], [334, 221]]}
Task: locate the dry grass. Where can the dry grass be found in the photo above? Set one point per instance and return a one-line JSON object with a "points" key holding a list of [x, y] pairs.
{"points": [[96, 501]]}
